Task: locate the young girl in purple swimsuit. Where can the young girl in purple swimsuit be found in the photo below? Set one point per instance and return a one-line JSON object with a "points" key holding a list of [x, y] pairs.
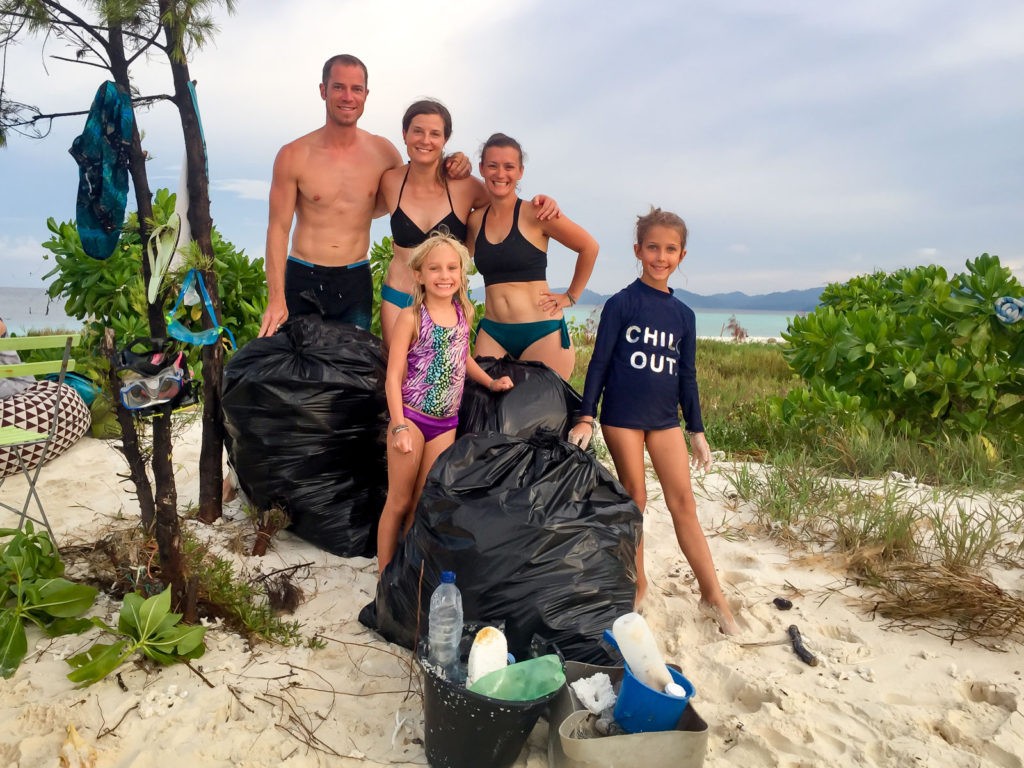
{"points": [[427, 367]]}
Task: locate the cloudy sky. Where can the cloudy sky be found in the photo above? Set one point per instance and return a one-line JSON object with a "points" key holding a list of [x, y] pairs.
{"points": [[803, 141]]}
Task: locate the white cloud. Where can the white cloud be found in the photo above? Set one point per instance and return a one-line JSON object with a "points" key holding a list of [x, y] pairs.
{"points": [[246, 189]]}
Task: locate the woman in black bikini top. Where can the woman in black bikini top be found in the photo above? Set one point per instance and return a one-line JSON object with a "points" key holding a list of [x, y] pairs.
{"points": [[509, 243], [406, 234]]}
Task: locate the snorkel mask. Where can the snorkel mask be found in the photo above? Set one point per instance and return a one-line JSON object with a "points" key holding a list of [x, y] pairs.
{"points": [[177, 330]]}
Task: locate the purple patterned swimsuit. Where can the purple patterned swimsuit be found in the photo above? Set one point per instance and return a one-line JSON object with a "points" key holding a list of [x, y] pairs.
{"points": [[436, 373]]}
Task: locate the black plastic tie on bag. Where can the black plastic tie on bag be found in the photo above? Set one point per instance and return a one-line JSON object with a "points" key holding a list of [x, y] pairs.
{"points": [[543, 439]]}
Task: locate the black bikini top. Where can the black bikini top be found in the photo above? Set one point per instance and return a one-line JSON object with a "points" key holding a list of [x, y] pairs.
{"points": [[406, 234], [514, 260]]}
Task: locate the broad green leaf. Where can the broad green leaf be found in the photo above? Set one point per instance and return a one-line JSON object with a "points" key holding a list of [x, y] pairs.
{"points": [[13, 643], [60, 627], [169, 621], [97, 662], [191, 645], [152, 613], [128, 622], [177, 640], [63, 599], [158, 655], [910, 380]]}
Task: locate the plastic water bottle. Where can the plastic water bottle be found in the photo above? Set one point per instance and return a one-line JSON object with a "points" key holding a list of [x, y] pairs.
{"points": [[444, 627]]}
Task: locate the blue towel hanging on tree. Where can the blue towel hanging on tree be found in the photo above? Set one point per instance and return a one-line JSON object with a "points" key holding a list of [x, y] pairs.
{"points": [[101, 152]]}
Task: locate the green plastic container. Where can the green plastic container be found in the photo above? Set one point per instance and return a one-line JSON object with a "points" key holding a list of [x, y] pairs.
{"points": [[523, 681]]}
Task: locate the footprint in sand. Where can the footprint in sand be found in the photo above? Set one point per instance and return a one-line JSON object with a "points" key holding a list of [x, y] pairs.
{"points": [[990, 693], [841, 643], [745, 696]]}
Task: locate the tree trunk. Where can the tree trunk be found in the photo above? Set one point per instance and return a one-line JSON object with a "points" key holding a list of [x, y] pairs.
{"points": [[165, 502], [211, 476]]}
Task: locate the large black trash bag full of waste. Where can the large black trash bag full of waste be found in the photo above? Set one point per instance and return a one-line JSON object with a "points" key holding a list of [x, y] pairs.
{"points": [[540, 399], [539, 535], [304, 413]]}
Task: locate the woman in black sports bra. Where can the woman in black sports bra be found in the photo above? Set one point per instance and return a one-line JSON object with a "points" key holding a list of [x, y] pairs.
{"points": [[509, 243], [421, 199]]}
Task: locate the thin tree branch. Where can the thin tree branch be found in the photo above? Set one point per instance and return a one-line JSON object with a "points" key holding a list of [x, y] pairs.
{"points": [[101, 64], [62, 33], [56, 9], [93, 28], [151, 41], [139, 101]]}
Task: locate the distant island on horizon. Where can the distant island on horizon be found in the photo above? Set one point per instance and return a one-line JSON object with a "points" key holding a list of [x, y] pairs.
{"points": [[779, 301], [34, 300]]}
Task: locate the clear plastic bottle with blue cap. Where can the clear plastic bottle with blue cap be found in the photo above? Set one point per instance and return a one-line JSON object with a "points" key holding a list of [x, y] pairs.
{"points": [[444, 628]]}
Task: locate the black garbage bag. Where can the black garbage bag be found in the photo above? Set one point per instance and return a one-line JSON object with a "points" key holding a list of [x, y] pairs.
{"points": [[304, 415], [540, 399], [539, 534]]}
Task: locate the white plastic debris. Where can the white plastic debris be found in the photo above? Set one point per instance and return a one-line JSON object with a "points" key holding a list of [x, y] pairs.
{"points": [[595, 692]]}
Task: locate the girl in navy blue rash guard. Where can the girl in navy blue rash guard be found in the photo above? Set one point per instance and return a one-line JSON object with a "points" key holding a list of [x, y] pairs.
{"points": [[644, 364]]}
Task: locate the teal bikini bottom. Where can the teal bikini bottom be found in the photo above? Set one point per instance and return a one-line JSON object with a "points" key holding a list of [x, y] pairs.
{"points": [[516, 337], [400, 299]]}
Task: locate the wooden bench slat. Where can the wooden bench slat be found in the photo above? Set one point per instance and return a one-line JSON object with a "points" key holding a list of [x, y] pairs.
{"points": [[39, 342]]}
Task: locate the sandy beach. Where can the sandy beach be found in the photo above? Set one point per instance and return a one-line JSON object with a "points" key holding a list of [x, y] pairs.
{"points": [[877, 698]]}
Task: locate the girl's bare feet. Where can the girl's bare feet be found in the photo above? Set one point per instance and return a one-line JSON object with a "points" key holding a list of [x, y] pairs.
{"points": [[726, 622], [641, 592]]}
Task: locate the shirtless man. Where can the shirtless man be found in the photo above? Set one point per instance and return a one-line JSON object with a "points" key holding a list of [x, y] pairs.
{"points": [[327, 181]]}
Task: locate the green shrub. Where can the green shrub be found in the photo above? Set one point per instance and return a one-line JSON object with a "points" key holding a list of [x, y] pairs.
{"points": [[923, 353], [111, 293]]}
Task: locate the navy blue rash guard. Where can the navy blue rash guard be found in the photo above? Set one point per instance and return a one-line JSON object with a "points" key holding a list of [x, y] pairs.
{"points": [[644, 362]]}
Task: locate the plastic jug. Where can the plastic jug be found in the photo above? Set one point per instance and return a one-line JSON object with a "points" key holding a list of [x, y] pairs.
{"points": [[638, 647]]}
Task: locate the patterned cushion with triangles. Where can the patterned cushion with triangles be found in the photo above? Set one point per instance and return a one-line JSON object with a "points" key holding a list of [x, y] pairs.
{"points": [[33, 410]]}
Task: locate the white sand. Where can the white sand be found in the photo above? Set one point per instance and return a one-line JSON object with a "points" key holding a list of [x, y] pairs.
{"points": [[878, 698]]}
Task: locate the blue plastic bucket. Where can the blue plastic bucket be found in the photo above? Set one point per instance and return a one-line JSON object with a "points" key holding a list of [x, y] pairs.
{"points": [[641, 709]]}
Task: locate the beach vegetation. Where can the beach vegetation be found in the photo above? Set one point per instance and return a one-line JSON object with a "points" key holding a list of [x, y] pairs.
{"points": [[242, 603], [145, 626], [113, 37], [924, 352], [33, 590], [899, 540], [112, 293], [734, 329], [381, 254], [583, 334], [125, 562]]}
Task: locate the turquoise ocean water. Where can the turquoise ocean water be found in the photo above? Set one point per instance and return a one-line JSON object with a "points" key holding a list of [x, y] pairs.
{"points": [[25, 309], [712, 322]]}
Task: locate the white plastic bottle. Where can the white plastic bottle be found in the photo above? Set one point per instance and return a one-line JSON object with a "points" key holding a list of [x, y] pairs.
{"points": [[444, 627], [640, 650], [489, 653]]}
